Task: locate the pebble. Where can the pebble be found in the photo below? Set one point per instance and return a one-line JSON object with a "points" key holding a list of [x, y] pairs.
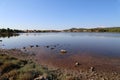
{"points": [[77, 64], [92, 69], [40, 78]]}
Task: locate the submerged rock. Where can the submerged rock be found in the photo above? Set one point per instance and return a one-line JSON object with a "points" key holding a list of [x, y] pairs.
{"points": [[24, 47], [31, 46], [63, 51], [37, 45], [47, 46], [52, 48]]}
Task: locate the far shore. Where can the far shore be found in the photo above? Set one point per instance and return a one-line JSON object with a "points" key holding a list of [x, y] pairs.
{"points": [[100, 29]]}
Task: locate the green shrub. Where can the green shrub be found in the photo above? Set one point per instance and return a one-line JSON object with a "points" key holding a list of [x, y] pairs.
{"points": [[26, 76], [7, 67]]}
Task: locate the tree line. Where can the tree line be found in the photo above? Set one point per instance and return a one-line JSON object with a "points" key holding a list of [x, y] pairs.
{"points": [[9, 31], [110, 29]]}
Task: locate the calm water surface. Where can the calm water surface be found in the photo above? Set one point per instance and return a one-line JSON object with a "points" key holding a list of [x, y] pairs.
{"points": [[107, 44]]}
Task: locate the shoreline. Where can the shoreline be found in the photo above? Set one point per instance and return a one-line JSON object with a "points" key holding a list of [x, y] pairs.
{"points": [[68, 61], [88, 68]]}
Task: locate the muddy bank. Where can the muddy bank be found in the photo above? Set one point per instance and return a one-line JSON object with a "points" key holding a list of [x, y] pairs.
{"points": [[54, 58], [90, 67]]}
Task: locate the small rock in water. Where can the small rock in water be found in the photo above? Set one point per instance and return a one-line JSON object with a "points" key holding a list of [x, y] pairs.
{"points": [[37, 45], [31, 46], [52, 48], [47, 46], [24, 47], [63, 51], [0, 40]]}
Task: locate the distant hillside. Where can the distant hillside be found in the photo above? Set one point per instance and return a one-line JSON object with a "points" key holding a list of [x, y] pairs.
{"points": [[110, 29]]}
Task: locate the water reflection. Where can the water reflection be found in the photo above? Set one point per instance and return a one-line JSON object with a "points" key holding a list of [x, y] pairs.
{"points": [[99, 43], [8, 35], [77, 34], [93, 34]]}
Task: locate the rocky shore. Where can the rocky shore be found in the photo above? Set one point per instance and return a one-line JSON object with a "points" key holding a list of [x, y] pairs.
{"points": [[84, 67]]}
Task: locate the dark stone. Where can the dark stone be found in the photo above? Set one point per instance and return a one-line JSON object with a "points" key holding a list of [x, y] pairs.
{"points": [[47, 46], [24, 47], [31, 46], [52, 48], [37, 45]]}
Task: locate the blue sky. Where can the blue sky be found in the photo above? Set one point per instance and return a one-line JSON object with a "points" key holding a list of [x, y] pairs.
{"points": [[59, 14]]}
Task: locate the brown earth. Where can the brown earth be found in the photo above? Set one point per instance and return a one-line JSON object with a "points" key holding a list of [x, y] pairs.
{"points": [[91, 67], [65, 61]]}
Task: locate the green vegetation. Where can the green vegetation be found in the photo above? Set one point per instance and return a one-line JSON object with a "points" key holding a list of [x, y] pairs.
{"points": [[12, 68], [9, 32], [112, 29], [16, 69]]}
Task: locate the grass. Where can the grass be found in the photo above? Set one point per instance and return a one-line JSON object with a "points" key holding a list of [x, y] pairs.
{"points": [[12, 68], [16, 69]]}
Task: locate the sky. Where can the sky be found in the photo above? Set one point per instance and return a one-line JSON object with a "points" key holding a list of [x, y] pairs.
{"points": [[59, 14]]}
